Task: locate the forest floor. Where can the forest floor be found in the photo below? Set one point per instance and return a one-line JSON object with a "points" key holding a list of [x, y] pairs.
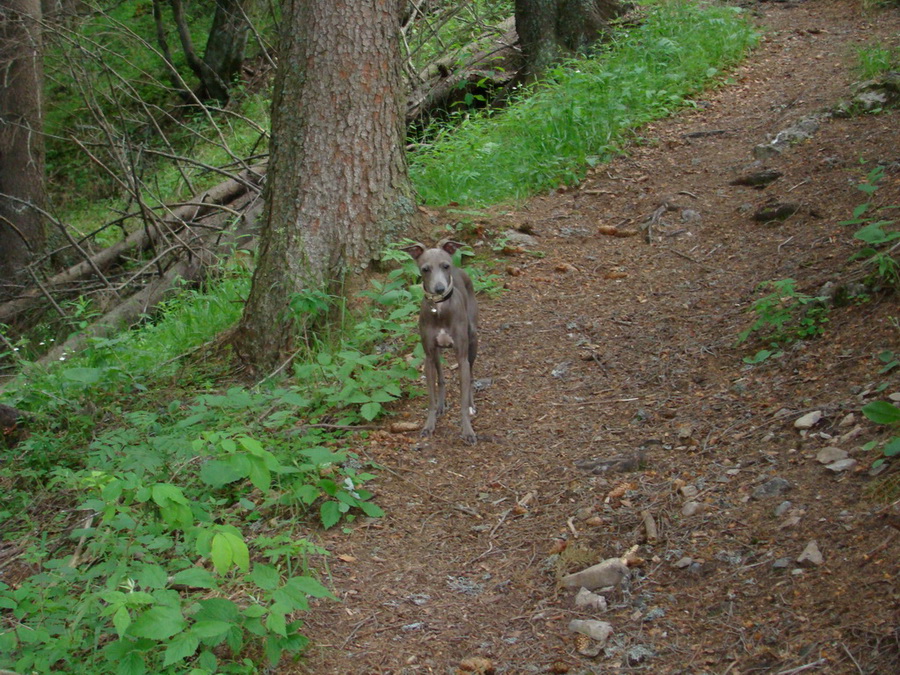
{"points": [[604, 346]]}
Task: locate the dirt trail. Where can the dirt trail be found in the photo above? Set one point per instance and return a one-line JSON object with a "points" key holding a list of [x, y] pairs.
{"points": [[608, 346]]}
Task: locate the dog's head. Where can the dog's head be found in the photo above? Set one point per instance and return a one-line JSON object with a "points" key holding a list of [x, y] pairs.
{"points": [[436, 266]]}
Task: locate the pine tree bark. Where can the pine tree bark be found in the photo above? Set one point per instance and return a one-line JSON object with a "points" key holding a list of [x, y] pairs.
{"points": [[22, 228], [337, 185], [550, 29], [225, 46]]}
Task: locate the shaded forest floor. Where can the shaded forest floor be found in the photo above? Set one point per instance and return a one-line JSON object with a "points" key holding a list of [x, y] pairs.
{"points": [[607, 346]]}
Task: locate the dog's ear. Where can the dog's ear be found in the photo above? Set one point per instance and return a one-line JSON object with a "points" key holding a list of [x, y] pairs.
{"points": [[451, 246], [415, 250]]}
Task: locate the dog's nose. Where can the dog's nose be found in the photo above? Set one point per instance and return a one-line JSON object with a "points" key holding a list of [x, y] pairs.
{"points": [[439, 288]]}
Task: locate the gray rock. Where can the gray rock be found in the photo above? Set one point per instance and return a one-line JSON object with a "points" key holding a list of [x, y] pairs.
{"points": [[782, 508], [811, 555], [638, 654], [519, 238], [830, 454], [590, 601], [610, 572], [842, 465], [692, 508], [689, 491], [561, 369], [781, 563], [596, 630], [654, 613], [809, 420], [684, 562], [772, 488]]}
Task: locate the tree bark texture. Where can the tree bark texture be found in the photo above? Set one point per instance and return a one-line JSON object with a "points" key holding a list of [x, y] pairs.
{"points": [[548, 29], [22, 228], [225, 46], [337, 185]]}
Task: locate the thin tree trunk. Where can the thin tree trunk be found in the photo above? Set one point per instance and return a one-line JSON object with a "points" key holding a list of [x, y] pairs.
{"points": [[337, 183], [225, 47], [22, 229]]}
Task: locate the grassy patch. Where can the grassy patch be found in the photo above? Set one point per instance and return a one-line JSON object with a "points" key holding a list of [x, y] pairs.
{"points": [[580, 115]]}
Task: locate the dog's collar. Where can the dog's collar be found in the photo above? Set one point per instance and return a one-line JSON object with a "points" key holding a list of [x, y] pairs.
{"points": [[436, 299]]}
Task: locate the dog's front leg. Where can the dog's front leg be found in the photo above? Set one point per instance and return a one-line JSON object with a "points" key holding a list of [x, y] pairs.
{"points": [[466, 399], [434, 378]]}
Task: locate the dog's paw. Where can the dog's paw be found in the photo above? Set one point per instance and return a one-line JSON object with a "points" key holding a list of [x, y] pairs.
{"points": [[469, 438], [472, 411], [426, 432]]}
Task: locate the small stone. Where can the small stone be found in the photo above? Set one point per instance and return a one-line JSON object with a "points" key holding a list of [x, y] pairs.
{"points": [[782, 508], [895, 397], [691, 508], [560, 370], [684, 562], [811, 555], [596, 630], [772, 488], [610, 572], [519, 238], [848, 419], [809, 420], [590, 600], [781, 563], [792, 521], [830, 454], [654, 613], [841, 465], [638, 654], [689, 491]]}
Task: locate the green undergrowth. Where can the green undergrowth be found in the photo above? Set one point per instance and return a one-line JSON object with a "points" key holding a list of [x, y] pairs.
{"points": [[168, 522], [582, 112]]}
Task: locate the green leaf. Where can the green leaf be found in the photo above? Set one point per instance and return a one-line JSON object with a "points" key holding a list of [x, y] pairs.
{"points": [[892, 449], [275, 622], [181, 647], [165, 493], [320, 456], [259, 474], [83, 375], [221, 554], [310, 586], [217, 473], [217, 609], [370, 410], [330, 514], [882, 412], [158, 623], [265, 576], [121, 620], [152, 576], [371, 510], [132, 664], [211, 628], [195, 577]]}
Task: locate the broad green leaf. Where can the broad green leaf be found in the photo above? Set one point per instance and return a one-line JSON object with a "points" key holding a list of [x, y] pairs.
{"points": [[217, 473], [330, 514], [882, 412], [371, 510], [892, 449], [158, 623], [265, 576], [195, 577], [83, 375], [319, 456], [259, 474], [370, 410], [217, 609], [240, 552], [164, 493], [121, 620], [251, 445], [181, 647], [211, 628], [310, 586], [220, 552], [152, 576], [132, 664]]}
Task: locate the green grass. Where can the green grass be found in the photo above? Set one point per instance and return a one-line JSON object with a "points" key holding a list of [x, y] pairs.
{"points": [[583, 112], [875, 59]]}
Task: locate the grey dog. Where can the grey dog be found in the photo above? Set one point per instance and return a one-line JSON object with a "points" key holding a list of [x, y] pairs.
{"points": [[448, 318]]}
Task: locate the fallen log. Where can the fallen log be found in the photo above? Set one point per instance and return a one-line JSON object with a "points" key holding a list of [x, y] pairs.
{"points": [[179, 217]]}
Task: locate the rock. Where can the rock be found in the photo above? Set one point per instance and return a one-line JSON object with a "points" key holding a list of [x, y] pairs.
{"points": [[811, 555], [482, 383], [775, 211], [596, 630], [842, 465], [590, 601], [561, 369], [638, 654], [477, 665], [796, 133], [690, 216], [782, 508], [772, 488], [895, 397], [610, 572], [653, 614], [792, 521], [848, 419], [830, 454], [616, 463], [519, 238], [692, 508], [809, 420], [689, 491], [781, 563], [757, 179]]}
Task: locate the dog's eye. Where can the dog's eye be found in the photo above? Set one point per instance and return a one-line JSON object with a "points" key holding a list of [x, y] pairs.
{"points": [[445, 266], [426, 268]]}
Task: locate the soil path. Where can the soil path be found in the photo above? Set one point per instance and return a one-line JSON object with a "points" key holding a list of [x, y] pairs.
{"points": [[612, 346]]}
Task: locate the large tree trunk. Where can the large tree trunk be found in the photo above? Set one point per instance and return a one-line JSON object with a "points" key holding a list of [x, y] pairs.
{"points": [[549, 29], [337, 184], [22, 228]]}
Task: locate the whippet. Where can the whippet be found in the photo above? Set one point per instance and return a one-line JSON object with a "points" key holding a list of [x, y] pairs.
{"points": [[448, 318]]}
